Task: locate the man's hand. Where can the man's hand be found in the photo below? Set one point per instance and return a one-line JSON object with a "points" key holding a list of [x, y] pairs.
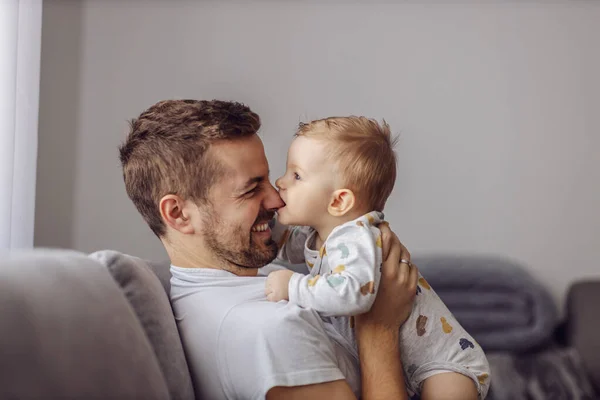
{"points": [[377, 330], [276, 287], [397, 289]]}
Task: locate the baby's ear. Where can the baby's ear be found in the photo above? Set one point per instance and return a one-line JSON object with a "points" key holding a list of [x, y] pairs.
{"points": [[342, 201]]}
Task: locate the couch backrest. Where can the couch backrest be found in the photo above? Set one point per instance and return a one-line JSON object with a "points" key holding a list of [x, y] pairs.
{"points": [[67, 331], [148, 295]]}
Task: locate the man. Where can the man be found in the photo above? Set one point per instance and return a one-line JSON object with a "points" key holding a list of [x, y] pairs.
{"points": [[197, 172]]}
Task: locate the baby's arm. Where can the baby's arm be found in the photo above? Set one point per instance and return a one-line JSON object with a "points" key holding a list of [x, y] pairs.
{"points": [[352, 275]]}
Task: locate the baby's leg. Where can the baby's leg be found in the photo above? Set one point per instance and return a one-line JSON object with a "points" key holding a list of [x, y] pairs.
{"points": [[432, 342]]}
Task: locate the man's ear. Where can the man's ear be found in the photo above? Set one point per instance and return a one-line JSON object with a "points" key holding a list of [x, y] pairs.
{"points": [[342, 201], [176, 213]]}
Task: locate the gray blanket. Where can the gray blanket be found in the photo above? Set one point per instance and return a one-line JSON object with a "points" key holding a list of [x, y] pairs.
{"points": [[555, 374], [495, 299]]}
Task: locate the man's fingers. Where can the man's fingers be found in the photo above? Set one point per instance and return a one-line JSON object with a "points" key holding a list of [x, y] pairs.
{"points": [[386, 238], [390, 265], [394, 242], [403, 272], [414, 276], [404, 253]]}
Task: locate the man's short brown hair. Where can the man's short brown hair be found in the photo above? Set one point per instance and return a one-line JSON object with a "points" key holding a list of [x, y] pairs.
{"points": [[363, 151], [166, 151]]}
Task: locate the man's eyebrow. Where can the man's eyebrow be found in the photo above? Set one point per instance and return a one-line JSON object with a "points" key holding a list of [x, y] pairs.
{"points": [[252, 181]]}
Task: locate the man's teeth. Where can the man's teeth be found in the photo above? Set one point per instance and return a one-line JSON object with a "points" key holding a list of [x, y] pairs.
{"points": [[260, 228]]}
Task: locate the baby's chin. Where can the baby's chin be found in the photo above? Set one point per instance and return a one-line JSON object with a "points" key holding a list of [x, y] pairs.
{"points": [[284, 218]]}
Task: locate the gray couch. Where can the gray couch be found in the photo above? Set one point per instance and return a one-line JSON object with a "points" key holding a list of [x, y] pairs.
{"points": [[100, 326]]}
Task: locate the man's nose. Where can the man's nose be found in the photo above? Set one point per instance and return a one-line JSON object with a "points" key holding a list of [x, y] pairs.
{"points": [[272, 199]]}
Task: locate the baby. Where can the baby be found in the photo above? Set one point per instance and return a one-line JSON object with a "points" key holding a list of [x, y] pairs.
{"points": [[340, 172]]}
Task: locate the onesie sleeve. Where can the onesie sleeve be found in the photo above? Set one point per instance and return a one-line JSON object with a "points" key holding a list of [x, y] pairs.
{"points": [[352, 273]]}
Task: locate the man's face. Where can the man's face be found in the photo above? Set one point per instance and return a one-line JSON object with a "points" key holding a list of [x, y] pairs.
{"points": [[235, 224]]}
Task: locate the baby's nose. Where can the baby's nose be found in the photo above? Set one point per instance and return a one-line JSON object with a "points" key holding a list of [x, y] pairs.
{"points": [[279, 182]]}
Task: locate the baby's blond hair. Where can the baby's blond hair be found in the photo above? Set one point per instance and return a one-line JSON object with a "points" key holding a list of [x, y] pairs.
{"points": [[364, 154]]}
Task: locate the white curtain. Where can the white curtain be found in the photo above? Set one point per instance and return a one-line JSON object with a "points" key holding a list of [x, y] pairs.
{"points": [[20, 46]]}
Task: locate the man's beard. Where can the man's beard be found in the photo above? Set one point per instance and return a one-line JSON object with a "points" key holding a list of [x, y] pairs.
{"points": [[237, 246]]}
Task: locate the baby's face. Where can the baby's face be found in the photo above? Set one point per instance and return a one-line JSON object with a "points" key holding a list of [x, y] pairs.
{"points": [[308, 183]]}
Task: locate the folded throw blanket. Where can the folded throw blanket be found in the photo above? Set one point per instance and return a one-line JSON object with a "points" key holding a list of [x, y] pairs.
{"points": [[495, 299], [555, 373]]}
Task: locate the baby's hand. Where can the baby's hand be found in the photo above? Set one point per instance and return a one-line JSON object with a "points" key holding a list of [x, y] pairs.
{"points": [[276, 287]]}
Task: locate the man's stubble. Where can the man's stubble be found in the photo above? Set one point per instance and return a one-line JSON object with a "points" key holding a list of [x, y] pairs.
{"points": [[235, 245]]}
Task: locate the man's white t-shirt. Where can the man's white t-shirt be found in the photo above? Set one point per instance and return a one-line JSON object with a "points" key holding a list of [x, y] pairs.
{"points": [[239, 345]]}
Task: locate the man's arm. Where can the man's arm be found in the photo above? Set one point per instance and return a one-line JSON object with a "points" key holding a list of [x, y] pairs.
{"points": [[377, 331], [381, 369], [449, 386], [336, 390]]}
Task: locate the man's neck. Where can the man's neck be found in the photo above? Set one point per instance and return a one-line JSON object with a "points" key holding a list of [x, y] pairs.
{"points": [[185, 257]]}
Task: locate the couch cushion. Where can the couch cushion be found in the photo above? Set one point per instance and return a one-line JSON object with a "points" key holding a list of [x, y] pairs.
{"points": [[153, 308], [162, 269], [67, 331], [583, 325]]}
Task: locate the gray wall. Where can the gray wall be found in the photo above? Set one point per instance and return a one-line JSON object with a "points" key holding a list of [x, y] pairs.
{"points": [[497, 105], [59, 123]]}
